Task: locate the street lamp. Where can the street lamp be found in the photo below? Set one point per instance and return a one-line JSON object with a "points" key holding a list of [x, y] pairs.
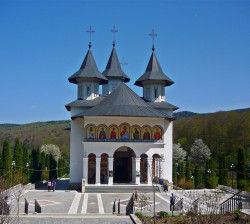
{"points": [[13, 165], [232, 169]]}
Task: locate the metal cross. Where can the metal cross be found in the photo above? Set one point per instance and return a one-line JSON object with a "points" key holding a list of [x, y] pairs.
{"points": [[123, 63], [114, 31], [90, 31], [153, 35]]}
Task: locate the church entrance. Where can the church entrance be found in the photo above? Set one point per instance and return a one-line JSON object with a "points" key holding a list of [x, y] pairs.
{"points": [[123, 159]]}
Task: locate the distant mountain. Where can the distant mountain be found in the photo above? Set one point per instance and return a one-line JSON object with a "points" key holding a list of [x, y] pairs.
{"points": [[182, 114], [8, 125]]}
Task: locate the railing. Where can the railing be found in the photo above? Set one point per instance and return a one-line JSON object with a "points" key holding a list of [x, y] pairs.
{"points": [[178, 206], [231, 204], [4, 207], [38, 208], [122, 140], [195, 206], [26, 206], [130, 205]]}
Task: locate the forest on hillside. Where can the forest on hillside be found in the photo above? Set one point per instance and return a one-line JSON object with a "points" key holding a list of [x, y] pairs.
{"points": [[221, 131]]}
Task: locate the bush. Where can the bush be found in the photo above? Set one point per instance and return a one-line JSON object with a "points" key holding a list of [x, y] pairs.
{"points": [[188, 185], [181, 182], [45, 175], [139, 215], [163, 214]]}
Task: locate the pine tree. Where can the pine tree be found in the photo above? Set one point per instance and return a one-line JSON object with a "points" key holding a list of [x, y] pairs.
{"points": [[174, 174], [7, 162], [210, 179], [223, 169], [53, 168], [26, 162], [188, 171], [18, 156], [241, 168], [197, 176]]}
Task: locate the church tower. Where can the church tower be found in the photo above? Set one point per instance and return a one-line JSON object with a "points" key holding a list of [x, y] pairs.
{"points": [[154, 80], [113, 71], [88, 78]]}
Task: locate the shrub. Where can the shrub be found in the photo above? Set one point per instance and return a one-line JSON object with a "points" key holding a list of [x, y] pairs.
{"points": [[188, 185], [139, 215], [181, 182], [163, 214]]}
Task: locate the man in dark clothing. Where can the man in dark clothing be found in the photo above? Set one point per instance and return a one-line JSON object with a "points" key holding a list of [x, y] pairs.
{"points": [[172, 201]]}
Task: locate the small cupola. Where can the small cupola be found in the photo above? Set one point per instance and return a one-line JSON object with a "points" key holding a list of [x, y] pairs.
{"points": [[154, 80], [113, 71]]}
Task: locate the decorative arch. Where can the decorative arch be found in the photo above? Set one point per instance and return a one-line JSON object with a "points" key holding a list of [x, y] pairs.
{"points": [[144, 168], [135, 132], [104, 168], [146, 132], [102, 131], [113, 131], [90, 131], [157, 132], [91, 168], [125, 149], [124, 131]]}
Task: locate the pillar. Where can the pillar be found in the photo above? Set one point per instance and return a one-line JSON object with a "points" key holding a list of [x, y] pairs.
{"points": [[162, 162], [133, 170], [85, 169], [137, 168], [97, 171], [150, 162], [110, 170]]}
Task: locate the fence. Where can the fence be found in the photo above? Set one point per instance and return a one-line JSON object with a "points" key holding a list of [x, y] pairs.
{"points": [[231, 204]]}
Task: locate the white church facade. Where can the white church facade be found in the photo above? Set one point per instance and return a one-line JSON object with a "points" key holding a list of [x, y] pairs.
{"points": [[118, 137]]}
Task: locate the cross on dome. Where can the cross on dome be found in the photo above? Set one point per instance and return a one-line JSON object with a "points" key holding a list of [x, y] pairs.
{"points": [[114, 31], [153, 35], [90, 31]]}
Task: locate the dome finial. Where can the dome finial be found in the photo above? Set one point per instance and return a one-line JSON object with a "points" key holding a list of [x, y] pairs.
{"points": [[114, 31], [153, 35], [90, 31]]}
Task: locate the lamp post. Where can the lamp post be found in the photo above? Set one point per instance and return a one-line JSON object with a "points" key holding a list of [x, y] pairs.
{"points": [[13, 165], [232, 169]]}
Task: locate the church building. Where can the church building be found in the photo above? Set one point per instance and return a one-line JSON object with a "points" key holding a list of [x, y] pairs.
{"points": [[118, 137]]}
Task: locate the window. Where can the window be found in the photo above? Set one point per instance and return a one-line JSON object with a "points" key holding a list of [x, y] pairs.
{"points": [[96, 90], [88, 91], [156, 92], [147, 93], [79, 91], [162, 92]]}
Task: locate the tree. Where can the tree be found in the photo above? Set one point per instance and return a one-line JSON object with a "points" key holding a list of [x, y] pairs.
{"points": [[188, 171], [53, 150], [18, 156], [210, 178], [241, 168], [26, 162], [35, 164], [53, 167], [199, 152], [174, 174], [223, 169], [178, 153], [197, 176], [6, 162]]}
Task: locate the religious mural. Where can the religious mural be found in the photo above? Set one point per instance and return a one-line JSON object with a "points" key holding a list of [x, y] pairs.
{"points": [[146, 133], [157, 133], [124, 132], [90, 131], [135, 132], [102, 132], [113, 132]]}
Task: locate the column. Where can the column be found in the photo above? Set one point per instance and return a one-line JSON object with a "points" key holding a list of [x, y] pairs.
{"points": [[110, 170], [85, 169], [150, 162], [162, 161], [97, 171], [137, 168], [133, 170]]}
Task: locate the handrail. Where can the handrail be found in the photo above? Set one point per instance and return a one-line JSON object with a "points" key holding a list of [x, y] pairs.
{"points": [[230, 198], [231, 204], [130, 205]]}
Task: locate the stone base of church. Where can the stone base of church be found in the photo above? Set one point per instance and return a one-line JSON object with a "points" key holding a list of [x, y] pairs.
{"points": [[75, 186]]}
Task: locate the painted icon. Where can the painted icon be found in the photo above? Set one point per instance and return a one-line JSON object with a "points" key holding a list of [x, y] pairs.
{"points": [[157, 133], [124, 132], [113, 132], [102, 132], [135, 133], [146, 133], [91, 132]]}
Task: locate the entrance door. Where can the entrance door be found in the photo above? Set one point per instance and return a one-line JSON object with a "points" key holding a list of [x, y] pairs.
{"points": [[123, 165]]}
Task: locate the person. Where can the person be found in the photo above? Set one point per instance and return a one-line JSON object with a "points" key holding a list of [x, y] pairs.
{"points": [[146, 135], [91, 133], [172, 201], [124, 133], [136, 134], [136, 194], [113, 134], [102, 134], [49, 185], [54, 185], [157, 134]]}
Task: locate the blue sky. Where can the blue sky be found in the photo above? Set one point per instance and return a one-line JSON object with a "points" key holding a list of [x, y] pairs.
{"points": [[204, 46]]}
